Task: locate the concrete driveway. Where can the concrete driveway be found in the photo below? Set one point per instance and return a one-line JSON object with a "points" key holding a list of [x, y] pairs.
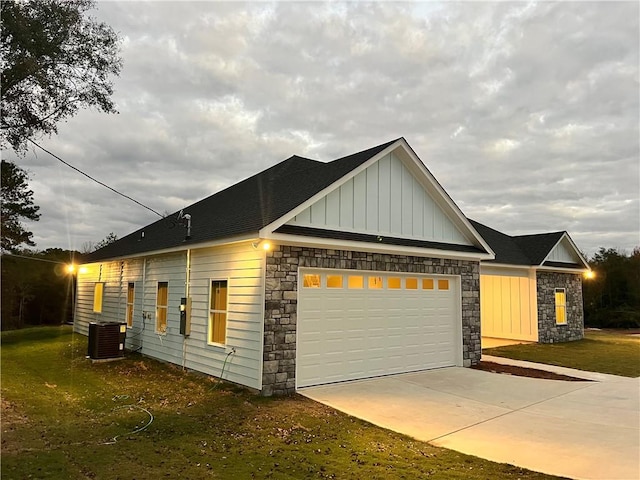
{"points": [[584, 430]]}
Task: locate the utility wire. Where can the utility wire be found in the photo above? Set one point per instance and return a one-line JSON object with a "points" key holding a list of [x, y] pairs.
{"points": [[97, 181], [32, 258]]}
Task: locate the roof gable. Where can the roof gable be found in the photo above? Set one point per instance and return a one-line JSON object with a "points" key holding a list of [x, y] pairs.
{"points": [[554, 249], [385, 198], [392, 195]]}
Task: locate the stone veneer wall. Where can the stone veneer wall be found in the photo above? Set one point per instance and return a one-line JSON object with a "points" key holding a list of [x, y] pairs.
{"points": [[281, 301], [548, 331]]}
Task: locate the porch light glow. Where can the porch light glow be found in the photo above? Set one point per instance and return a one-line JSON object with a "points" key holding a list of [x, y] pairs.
{"points": [[70, 268], [589, 274]]}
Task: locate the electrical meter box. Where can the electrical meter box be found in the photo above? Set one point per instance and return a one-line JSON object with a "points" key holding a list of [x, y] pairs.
{"points": [[185, 316]]}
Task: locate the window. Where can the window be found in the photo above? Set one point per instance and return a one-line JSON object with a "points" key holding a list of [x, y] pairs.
{"points": [[98, 291], [334, 281], [311, 281], [162, 301], [427, 283], [218, 312], [356, 281], [130, 297], [561, 306], [375, 282], [394, 283], [443, 284], [411, 284]]}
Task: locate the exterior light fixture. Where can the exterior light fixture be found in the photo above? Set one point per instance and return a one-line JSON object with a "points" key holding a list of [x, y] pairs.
{"points": [[70, 268], [589, 274], [266, 246]]}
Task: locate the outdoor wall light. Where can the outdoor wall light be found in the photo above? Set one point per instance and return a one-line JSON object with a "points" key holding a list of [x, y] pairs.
{"points": [[589, 274], [266, 246], [70, 268]]}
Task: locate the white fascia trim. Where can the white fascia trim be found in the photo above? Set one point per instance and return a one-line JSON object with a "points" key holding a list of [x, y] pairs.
{"points": [[183, 248], [267, 230], [334, 244], [507, 265], [575, 249], [575, 271]]}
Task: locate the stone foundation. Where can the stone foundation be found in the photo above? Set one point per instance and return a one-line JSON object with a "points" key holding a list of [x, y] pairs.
{"points": [[281, 301], [548, 330]]}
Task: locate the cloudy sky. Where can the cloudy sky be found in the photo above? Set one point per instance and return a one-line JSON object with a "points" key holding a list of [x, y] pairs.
{"points": [[527, 113]]}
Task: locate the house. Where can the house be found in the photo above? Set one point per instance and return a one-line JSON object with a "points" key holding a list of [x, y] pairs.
{"points": [[310, 273]]}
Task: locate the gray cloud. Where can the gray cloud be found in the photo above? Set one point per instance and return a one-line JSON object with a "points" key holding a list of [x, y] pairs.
{"points": [[527, 113]]}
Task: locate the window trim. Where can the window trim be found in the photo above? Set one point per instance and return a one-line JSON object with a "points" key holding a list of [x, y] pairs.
{"points": [[165, 308], [98, 298], [562, 306], [211, 311], [130, 305]]}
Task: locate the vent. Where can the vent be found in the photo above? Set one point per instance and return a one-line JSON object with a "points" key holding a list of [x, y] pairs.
{"points": [[106, 340]]}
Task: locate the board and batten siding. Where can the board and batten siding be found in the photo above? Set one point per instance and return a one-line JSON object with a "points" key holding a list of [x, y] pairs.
{"points": [[563, 252], [242, 266], [386, 199], [508, 306]]}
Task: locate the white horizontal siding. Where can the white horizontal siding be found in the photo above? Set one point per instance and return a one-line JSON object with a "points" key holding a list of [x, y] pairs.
{"points": [[242, 266], [385, 199], [115, 276]]}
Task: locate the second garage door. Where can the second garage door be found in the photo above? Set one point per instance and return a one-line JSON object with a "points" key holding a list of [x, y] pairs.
{"points": [[356, 324]]}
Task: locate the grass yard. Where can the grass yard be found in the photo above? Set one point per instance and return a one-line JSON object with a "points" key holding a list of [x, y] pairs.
{"points": [[65, 418], [599, 351]]}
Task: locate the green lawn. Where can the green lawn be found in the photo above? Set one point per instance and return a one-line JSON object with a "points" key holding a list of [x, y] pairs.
{"points": [[61, 414], [599, 351]]}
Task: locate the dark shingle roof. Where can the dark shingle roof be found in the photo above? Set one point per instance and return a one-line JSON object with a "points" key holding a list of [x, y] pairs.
{"points": [[506, 249], [521, 249], [243, 208]]}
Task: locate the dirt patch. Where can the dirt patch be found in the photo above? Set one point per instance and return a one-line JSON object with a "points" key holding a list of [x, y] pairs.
{"points": [[524, 372]]}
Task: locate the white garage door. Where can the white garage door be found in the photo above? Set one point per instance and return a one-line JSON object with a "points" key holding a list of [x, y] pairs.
{"points": [[356, 324]]}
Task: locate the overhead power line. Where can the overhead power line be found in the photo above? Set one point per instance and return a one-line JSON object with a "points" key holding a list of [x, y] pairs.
{"points": [[95, 180]]}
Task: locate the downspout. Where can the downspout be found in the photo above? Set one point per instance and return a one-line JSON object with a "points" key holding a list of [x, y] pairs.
{"points": [[186, 294]]}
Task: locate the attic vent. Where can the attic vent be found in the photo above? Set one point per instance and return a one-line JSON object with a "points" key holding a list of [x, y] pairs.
{"points": [[106, 340]]}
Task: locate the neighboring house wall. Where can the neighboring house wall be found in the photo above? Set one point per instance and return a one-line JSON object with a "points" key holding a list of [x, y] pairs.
{"points": [[281, 299], [548, 330]]}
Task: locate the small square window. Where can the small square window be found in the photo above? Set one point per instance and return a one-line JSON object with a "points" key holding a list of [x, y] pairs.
{"points": [[411, 283], [356, 281], [311, 281], [427, 283], [375, 282], [334, 281], [443, 284], [394, 283]]}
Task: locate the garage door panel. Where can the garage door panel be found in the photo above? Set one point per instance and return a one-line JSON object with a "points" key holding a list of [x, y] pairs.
{"points": [[350, 333]]}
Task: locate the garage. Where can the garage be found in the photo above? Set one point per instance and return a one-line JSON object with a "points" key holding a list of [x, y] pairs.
{"points": [[358, 324]]}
